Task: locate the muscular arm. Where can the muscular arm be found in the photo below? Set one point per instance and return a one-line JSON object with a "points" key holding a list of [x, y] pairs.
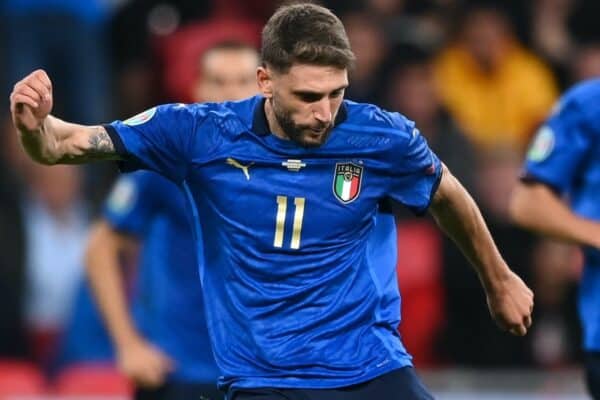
{"points": [[509, 299], [47, 139], [60, 142], [535, 206]]}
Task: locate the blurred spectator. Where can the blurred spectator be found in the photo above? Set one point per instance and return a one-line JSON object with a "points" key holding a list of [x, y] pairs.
{"points": [[411, 91], [370, 47], [182, 55], [225, 72], [66, 38], [549, 30], [134, 31], [13, 341], [556, 268], [56, 226], [585, 63], [496, 90], [416, 22]]}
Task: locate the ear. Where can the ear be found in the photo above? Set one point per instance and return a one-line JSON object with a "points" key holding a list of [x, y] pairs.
{"points": [[264, 78]]}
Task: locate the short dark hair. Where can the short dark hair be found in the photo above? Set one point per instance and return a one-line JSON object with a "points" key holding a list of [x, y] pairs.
{"points": [[305, 33]]}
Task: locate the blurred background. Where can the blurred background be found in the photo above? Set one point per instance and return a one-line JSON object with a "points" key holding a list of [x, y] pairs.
{"points": [[478, 77]]}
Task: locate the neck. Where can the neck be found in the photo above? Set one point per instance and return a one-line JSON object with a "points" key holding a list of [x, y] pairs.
{"points": [[274, 126]]}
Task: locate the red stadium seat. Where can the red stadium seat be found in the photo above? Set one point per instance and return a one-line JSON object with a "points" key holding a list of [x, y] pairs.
{"points": [[420, 281], [92, 379], [19, 378]]}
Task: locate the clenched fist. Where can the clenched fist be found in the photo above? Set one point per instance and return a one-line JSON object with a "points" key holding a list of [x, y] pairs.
{"points": [[31, 101], [511, 305]]}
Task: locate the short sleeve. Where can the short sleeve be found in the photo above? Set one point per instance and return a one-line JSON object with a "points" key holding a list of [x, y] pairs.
{"points": [[160, 139], [416, 171], [559, 148], [130, 205]]}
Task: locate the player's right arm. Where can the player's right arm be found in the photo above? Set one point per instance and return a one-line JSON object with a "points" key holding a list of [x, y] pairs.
{"points": [[136, 357], [537, 207], [510, 301], [47, 139]]}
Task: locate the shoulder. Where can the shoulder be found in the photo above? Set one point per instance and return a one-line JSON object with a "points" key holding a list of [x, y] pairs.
{"points": [[586, 93], [209, 112], [580, 101], [369, 125]]}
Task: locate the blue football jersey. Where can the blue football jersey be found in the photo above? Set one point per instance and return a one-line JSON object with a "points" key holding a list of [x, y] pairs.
{"points": [[167, 300], [565, 155], [292, 298]]}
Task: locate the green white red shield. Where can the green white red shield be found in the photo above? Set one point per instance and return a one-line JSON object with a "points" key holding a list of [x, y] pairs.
{"points": [[346, 181]]}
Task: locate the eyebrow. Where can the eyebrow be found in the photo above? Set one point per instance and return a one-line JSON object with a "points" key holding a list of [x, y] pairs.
{"points": [[320, 94]]}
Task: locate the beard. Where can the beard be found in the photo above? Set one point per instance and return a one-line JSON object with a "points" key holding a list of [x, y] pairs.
{"points": [[305, 135]]}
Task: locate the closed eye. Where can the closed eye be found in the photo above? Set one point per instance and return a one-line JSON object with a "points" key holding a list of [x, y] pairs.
{"points": [[309, 97]]}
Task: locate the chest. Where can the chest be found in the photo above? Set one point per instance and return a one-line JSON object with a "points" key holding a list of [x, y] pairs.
{"points": [[289, 202]]}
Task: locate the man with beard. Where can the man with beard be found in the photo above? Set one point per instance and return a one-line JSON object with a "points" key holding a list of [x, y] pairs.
{"points": [[284, 188]]}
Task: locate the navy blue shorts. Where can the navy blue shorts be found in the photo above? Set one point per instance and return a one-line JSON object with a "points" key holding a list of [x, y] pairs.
{"points": [[400, 384], [591, 361], [180, 391]]}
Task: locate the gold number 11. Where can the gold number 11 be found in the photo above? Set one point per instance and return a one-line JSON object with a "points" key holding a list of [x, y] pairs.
{"points": [[280, 221]]}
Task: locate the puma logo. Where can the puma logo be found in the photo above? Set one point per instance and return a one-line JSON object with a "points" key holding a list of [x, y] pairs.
{"points": [[236, 164]]}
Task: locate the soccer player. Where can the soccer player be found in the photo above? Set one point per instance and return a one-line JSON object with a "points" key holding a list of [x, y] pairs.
{"points": [[166, 351], [558, 196], [284, 188]]}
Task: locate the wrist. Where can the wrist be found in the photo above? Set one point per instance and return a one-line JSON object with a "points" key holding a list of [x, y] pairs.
{"points": [[126, 339], [493, 282]]}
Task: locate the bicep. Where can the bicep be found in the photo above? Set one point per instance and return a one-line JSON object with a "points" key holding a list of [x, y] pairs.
{"points": [[447, 187]]}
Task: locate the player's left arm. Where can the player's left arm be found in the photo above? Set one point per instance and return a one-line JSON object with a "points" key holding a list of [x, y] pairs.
{"points": [[510, 301]]}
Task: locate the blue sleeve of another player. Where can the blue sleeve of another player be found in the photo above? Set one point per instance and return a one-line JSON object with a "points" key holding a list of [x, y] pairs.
{"points": [[161, 139], [559, 148], [416, 170], [130, 205]]}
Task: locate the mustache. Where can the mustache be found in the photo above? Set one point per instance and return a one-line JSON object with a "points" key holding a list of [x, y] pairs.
{"points": [[318, 127]]}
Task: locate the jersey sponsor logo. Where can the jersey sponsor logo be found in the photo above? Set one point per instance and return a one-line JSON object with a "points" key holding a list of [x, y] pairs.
{"points": [[293, 165], [346, 181], [236, 164], [543, 144], [141, 118], [122, 197]]}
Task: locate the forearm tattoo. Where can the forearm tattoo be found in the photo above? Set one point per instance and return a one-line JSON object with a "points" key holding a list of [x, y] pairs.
{"points": [[99, 147], [100, 142]]}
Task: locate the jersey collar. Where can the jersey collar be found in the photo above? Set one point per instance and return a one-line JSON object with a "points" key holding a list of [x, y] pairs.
{"points": [[260, 125]]}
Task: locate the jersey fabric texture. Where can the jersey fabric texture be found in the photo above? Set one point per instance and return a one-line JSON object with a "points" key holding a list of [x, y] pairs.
{"points": [[565, 155], [167, 299], [293, 301]]}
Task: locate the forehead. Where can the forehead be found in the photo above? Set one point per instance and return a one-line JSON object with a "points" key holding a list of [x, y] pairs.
{"points": [[239, 59], [315, 78]]}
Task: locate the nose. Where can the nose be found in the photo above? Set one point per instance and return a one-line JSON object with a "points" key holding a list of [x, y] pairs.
{"points": [[322, 111]]}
